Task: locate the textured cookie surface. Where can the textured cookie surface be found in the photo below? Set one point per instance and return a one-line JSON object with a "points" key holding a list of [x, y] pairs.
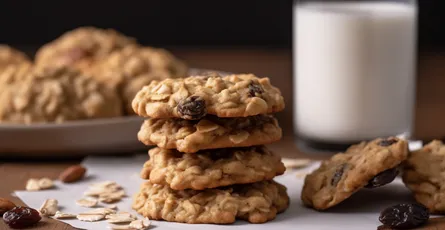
{"points": [[10, 56], [256, 203], [424, 175], [191, 98], [56, 95], [15, 73], [133, 67], [210, 132], [81, 47], [345, 173], [211, 168]]}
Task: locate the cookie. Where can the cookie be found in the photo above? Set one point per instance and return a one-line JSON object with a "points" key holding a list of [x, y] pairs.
{"points": [[10, 56], [256, 203], [81, 47], [211, 168], [424, 175], [238, 95], [210, 132], [133, 67], [57, 94], [15, 73], [363, 165]]}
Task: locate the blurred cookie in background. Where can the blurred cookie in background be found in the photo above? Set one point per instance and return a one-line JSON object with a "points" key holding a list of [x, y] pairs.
{"points": [[133, 67], [81, 47], [10, 56], [15, 73], [56, 94]]}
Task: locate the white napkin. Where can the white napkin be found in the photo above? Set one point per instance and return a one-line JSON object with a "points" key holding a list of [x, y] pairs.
{"points": [[361, 211]]}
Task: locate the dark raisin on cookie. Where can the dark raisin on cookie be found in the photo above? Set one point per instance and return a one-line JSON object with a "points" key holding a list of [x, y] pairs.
{"points": [[404, 216], [338, 174], [387, 142], [255, 89], [383, 178], [192, 108]]}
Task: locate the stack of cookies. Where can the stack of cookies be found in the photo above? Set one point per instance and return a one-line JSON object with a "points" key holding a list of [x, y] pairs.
{"points": [[210, 165]]}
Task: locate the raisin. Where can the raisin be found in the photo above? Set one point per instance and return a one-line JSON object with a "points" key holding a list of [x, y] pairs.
{"points": [[387, 142], [255, 89], [192, 108], [338, 174], [21, 217], [383, 178], [404, 216]]}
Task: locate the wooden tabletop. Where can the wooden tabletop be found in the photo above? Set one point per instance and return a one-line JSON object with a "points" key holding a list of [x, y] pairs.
{"points": [[276, 64]]}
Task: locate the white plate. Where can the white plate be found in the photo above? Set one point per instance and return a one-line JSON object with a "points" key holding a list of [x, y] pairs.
{"points": [[75, 138], [97, 136]]}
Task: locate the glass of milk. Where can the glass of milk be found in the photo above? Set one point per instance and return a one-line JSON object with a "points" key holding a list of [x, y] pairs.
{"points": [[354, 70]]}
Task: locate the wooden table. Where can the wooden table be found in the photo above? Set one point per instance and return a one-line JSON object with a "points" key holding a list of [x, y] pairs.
{"points": [[277, 65]]}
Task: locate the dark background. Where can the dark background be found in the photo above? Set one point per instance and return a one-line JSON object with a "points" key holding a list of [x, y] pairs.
{"points": [[173, 23]]}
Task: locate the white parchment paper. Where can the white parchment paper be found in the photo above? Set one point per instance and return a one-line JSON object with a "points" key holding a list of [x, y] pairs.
{"points": [[361, 211]]}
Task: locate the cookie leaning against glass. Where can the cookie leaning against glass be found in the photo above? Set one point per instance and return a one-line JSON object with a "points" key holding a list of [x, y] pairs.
{"points": [[368, 164], [191, 98]]}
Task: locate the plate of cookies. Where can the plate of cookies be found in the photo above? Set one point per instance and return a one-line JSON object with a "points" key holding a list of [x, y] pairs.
{"points": [[75, 96]]}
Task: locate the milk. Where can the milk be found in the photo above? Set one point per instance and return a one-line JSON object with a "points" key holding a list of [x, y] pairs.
{"points": [[354, 70]]}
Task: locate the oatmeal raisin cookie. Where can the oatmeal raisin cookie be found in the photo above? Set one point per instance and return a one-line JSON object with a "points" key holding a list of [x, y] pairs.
{"points": [[210, 132], [133, 67], [81, 47], [256, 203], [424, 175], [10, 56], [57, 94], [211, 168], [237, 95], [363, 165]]}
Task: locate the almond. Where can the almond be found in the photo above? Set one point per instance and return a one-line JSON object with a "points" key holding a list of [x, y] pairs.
{"points": [[72, 174], [5, 205]]}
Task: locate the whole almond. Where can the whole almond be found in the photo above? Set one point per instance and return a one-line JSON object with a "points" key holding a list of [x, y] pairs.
{"points": [[72, 174], [5, 205]]}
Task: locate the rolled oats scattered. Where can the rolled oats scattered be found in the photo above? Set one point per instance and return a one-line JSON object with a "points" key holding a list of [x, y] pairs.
{"points": [[301, 175], [45, 183], [106, 192], [291, 163], [103, 187], [88, 202], [103, 211], [120, 227], [112, 206], [49, 207], [90, 217], [111, 197], [120, 218], [61, 215], [140, 224], [32, 185]]}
